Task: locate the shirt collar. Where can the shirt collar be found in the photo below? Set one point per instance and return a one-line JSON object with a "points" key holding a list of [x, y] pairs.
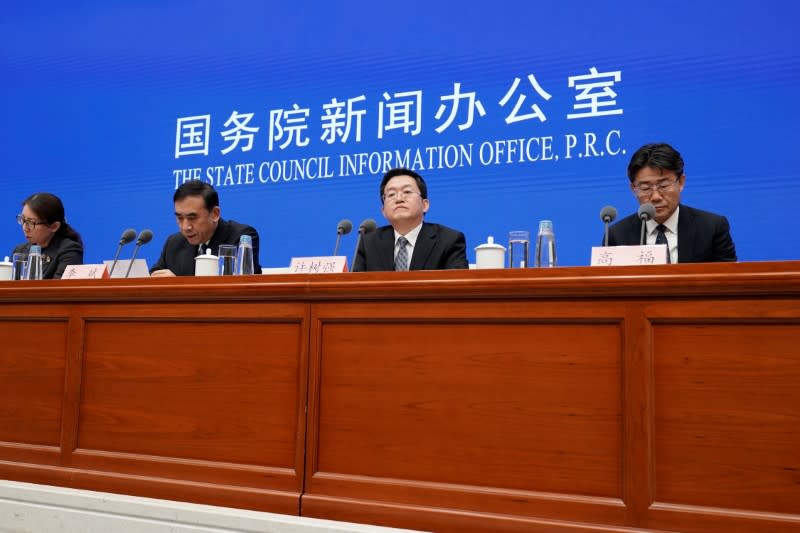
{"points": [[411, 236], [671, 223]]}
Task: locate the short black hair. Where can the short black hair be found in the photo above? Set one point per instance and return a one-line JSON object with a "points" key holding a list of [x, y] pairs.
{"points": [[197, 188], [656, 155], [400, 171]]}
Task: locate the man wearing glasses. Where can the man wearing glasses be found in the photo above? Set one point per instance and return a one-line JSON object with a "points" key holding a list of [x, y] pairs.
{"points": [[408, 243], [692, 236]]}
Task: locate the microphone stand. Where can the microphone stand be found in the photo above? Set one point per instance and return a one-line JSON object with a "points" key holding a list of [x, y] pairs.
{"points": [[361, 231], [116, 257], [133, 258], [338, 238], [644, 231]]}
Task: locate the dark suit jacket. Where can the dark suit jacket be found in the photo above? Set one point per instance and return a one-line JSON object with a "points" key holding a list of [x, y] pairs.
{"points": [[59, 254], [437, 248], [703, 237], [178, 254]]}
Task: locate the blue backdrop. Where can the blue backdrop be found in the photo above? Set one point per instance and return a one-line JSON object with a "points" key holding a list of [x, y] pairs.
{"points": [[512, 111]]}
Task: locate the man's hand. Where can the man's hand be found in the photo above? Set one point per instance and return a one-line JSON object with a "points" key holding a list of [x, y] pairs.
{"points": [[165, 273]]}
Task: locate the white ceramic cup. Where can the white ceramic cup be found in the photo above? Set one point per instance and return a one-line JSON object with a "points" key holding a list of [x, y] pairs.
{"points": [[206, 265], [490, 255], [5, 270]]}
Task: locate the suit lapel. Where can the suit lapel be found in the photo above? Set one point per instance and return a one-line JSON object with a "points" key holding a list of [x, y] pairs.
{"points": [[686, 231], [386, 247], [184, 258], [220, 236], [426, 240]]}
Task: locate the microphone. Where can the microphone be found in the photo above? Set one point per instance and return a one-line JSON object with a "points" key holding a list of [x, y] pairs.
{"points": [[343, 228], [144, 237], [365, 227], [608, 214], [127, 236], [646, 212]]}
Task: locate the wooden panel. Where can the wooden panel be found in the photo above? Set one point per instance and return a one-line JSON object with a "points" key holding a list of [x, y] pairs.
{"points": [[656, 398], [443, 520], [727, 415], [32, 362], [471, 405], [521, 406], [217, 391]]}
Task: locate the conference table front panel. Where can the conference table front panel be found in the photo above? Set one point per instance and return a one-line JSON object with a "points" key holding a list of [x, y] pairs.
{"points": [[193, 401], [572, 399], [654, 403], [725, 414], [510, 408], [33, 362]]}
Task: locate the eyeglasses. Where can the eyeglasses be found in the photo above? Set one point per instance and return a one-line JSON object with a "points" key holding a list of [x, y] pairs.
{"points": [[28, 223], [394, 196], [646, 189]]}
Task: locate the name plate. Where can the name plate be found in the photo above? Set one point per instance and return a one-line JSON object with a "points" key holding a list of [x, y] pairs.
{"points": [[85, 272], [318, 265], [649, 254], [138, 270]]}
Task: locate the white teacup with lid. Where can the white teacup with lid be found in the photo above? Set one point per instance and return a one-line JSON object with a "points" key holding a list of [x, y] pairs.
{"points": [[490, 254], [206, 264], [5, 270]]}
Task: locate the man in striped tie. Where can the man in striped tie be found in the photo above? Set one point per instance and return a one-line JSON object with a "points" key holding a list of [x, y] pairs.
{"points": [[409, 243]]}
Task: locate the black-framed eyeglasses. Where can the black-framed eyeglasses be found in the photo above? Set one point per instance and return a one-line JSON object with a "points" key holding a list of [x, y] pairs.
{"points": [[394, 196], [22, 221], [646, 189]]}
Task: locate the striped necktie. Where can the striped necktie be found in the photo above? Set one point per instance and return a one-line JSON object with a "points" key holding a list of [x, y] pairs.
{"points": [[401, 261]]}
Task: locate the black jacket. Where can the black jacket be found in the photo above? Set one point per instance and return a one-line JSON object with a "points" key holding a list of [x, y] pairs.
{"points": [[437, 248], [703, 237], [59, 254], [178, 254]]}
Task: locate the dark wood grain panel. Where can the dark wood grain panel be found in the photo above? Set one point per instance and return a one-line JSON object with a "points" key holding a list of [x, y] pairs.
{"points": [[709, 280], [217, 391], [443, 520], [32, 362], [520, 406], [512, 408], [656, 398], [727, 414]]}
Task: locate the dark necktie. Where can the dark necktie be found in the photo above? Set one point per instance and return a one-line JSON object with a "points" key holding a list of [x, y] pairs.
{"points": [[401, 261], [661, 238]]}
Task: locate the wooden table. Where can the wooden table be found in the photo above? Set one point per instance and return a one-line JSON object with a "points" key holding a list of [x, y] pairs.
{"points": [[658, 398]]}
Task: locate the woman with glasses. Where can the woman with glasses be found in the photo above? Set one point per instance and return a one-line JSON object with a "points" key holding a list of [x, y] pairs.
{"points": [[43, 223]]}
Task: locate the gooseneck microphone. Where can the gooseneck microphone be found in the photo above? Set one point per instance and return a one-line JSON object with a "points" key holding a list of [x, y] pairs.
{"points": [[144, 237], [646, 212], [363, 228], [343, 228], [127, 236]]}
